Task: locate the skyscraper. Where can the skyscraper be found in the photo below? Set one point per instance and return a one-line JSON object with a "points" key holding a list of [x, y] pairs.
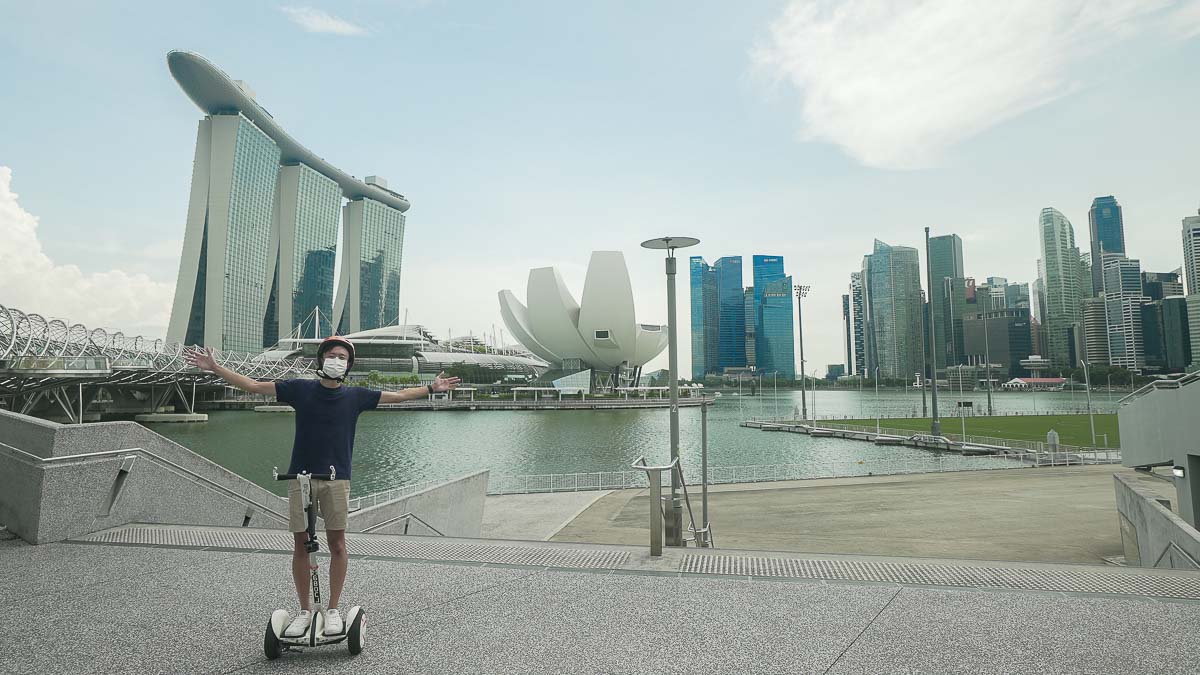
{"points": [[705, 318], [1008, 341], [848, 334], [856, 302], [1159, 285], [222, 289], [1107, 229], [373, 237], [1123, 301], [776, 350], [751, 318], [304, 241], [892, 298], [1191, 254], [1095, 331], [1060, 283], [768, 269], [732, 321], [1177, 337], [262, 219], [945, 262]]}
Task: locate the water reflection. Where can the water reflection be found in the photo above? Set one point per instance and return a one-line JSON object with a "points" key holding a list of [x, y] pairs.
{"points": [[396, 447]]}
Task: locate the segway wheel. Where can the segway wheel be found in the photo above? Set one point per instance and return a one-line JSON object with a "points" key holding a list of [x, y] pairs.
{"points": [[271, 643], [357, 635]]}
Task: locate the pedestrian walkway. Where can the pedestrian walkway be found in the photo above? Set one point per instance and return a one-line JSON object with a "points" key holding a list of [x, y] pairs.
{"points": [[196, 600]]}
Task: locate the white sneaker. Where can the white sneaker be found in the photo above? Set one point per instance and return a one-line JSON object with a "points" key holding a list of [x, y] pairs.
{"points": [[299, 624], [333, 622]]}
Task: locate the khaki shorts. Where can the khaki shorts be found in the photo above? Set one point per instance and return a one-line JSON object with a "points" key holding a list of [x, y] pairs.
{"points": [[331, 498]]}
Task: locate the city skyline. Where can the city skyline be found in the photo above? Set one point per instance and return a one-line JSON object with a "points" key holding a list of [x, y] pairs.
{"points": [[478, 181]]}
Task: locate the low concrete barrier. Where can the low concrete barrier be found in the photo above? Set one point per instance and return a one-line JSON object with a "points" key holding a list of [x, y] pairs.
{"points": [[453, 509], [1153, 535], [62, 481]]}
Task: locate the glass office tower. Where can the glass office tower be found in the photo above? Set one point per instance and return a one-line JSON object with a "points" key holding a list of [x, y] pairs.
{"points": [[705, 318], [892, 297], [1107, 229], [731, 323], [945, 262], [751, 327], [1060, 283], [856, 302], [775, 351], [1123, 300]]}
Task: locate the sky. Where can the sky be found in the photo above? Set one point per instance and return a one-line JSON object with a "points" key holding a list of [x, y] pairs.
{"points": [[530, 134]]}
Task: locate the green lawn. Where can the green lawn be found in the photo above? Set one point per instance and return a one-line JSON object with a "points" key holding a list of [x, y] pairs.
{"points": [[1072, 429]]}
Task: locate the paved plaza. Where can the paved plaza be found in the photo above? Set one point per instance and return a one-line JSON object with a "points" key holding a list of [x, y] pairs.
{"points": [[200, 605], [1050, 514]]}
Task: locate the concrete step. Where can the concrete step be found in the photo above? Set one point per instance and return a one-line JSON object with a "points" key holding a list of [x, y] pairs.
{"points": [[918, 572]]}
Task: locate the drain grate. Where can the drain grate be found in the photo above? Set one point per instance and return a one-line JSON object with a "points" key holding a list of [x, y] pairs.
{"points": [[1067, 581], [432, 549]]}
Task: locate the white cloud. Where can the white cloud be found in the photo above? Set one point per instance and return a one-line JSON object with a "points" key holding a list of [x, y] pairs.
{"points": [[318, 21], [31, 282], [895, 84]]}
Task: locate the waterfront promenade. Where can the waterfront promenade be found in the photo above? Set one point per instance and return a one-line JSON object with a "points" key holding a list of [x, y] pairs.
{"points": [[467, 606], [1046, 514]]}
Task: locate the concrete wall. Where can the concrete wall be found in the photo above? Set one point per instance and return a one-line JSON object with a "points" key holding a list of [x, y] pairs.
{"points": [[1159, 427], [454, 508], [1152, 534], [62, 481]]}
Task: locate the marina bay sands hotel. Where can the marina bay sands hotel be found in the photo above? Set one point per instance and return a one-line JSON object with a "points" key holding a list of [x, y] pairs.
{"points": [[261, 242]]}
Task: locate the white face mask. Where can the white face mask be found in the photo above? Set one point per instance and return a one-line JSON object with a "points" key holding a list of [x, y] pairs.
{"points": [[334, 367]]}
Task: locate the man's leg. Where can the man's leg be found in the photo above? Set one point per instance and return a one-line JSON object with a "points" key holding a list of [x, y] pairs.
{"points": [[300, 573], [337, 564]]}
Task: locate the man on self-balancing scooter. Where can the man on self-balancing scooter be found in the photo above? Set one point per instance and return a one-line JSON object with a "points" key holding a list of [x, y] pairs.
{"points": [[326, 415]]}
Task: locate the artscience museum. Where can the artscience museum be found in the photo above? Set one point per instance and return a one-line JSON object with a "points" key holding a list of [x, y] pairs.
{"points": [[596, 343]]}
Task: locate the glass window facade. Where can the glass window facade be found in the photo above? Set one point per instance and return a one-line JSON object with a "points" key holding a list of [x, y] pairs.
{"points": [[319, 208], [248, 238], [381, 253], [1060, 284], [705, 318], [1107, 229], [775, 351], [732, 322], [892, 296]]}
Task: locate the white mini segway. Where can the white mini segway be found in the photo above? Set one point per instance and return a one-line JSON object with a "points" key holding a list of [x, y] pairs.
{"points": [[275, 642]]}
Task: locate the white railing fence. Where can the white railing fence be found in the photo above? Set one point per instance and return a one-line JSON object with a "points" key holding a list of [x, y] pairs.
{"points": [[620, 480]]}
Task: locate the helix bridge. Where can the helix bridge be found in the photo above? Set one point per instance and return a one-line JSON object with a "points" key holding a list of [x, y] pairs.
{"points": [[53, 367]]}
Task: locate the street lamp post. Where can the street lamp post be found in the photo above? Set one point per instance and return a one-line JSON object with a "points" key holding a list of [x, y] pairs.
{"points": [[801, 291], [1087, 383], [876, 400], [935, 427], [674, 520], [987, 356]]}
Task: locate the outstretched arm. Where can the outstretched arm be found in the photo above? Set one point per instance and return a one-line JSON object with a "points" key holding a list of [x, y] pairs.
{"points": [[442, 383], [202, 358]]}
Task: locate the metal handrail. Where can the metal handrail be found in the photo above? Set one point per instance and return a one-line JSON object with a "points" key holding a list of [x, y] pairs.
{"points": [[654, 475], [406, 516], [701, 535]]}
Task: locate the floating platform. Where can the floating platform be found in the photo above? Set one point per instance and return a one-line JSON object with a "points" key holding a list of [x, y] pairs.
{"points": [[164, 418]]}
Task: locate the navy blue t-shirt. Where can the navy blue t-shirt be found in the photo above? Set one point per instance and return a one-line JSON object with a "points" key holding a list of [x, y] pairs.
{"points": [[325, 422]]}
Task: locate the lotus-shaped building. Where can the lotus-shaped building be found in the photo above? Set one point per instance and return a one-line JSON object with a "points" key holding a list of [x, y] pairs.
{"points": [[601, 333]]}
